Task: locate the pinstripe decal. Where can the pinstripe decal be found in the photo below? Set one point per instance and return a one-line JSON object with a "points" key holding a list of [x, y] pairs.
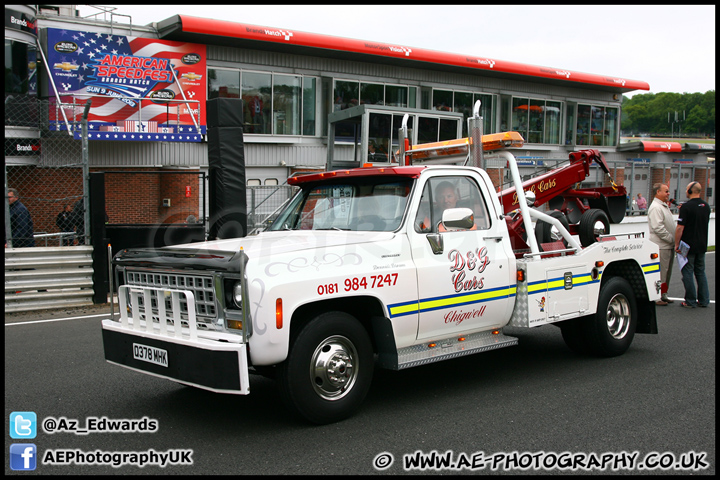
{"points": [[559, 283], [437, 303]]}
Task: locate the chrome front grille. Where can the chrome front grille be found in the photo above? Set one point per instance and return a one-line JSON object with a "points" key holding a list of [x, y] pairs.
{"points": [[200, 285]]}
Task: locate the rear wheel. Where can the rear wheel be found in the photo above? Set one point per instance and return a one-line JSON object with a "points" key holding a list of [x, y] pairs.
{"points": [[612, 328], [593, 223], [329, 368]]}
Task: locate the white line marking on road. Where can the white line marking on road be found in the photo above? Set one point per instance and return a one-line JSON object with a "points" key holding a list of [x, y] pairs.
{"points": [[106, 315]]}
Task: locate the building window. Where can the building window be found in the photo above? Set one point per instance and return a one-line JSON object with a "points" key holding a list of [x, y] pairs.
{"points": [[309, 89], [463, 102], [223, 83], [486, 111], [257, 102], [272, 103], [443, 100], [610, 129], [570, 124], [372, 94], [20, 68], [538, 121], [596, 125], [396, 96], [435, 129], [348, 94], [286, 104]]}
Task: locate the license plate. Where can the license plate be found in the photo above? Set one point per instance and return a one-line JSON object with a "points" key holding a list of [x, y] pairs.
{"points": [[158, 356]]}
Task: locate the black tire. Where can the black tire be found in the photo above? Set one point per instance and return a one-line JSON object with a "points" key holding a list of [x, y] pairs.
{"points": [[329, 368], [593, 223], [611, 330], [265, 371], [546, 233], [573, 335]]}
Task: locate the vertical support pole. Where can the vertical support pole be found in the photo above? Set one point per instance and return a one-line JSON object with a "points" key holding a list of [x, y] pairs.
{"points": [[8, 229], [475, 129], [110, 280], [86, 171]]}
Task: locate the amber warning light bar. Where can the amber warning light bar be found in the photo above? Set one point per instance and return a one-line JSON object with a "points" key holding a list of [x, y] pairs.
{"points": [[461, 146]]}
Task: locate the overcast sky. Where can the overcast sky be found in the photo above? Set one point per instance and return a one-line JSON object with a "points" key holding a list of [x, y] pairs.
{"points": [[672, 48]]}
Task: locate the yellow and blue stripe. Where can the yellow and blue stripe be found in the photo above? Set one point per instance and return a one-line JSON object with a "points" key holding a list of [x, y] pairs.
{"points": [[469, 298], [559, 283], [649, 268], [450, 301]]}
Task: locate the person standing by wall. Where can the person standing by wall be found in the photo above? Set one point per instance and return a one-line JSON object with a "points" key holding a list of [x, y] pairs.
{"points": [[662, 233], [64, 222], [641, 203], [21, 224], [692, 229]]}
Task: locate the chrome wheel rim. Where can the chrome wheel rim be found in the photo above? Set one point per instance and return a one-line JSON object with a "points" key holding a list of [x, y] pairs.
{"points": [[599, 229], [334, 367], [618, 316]]}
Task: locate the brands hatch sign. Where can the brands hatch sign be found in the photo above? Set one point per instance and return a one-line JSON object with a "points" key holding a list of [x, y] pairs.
{"points": [[138, 85]]}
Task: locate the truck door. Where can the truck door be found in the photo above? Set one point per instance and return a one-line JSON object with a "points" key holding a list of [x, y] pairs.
{"points": [[468, 285]]}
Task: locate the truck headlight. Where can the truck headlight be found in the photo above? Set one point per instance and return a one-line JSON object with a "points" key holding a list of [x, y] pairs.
{"points": [[237, 294]]}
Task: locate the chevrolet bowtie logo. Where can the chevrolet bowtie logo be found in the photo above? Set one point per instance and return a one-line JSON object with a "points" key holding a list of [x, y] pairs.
{"points": [[66, 67], [191, 76]]}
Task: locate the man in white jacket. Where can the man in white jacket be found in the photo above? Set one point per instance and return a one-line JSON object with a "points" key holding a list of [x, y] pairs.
{"points": [[662, 232]]}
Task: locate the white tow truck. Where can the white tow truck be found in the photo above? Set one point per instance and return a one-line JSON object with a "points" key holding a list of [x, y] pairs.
{"points": [[367, 267]]}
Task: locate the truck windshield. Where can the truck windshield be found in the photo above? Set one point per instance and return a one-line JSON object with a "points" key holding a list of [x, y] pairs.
{"points": [[363, 205]]}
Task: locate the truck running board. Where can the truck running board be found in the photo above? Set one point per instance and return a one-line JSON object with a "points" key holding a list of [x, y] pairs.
{"points": [[451, 348]]}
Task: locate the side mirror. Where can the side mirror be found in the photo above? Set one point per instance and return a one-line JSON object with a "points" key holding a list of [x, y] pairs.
{"points": [[458, 219]]}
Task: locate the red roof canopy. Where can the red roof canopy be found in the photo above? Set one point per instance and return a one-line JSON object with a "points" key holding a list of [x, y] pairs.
{"points": [[210, 31], [661, 147]]}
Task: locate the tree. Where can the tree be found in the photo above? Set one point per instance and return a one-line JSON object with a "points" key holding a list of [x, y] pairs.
{"points": [[654, 113]]}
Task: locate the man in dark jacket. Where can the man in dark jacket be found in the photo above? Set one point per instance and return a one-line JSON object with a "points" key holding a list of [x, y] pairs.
{"points": [[692, 229], [21, 224], [64, 223]]}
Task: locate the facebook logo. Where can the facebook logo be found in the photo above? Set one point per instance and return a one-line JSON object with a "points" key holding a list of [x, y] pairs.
{"points": [[23, 456], [23, 425]]}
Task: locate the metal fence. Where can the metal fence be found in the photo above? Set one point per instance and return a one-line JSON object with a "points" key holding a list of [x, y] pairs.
{"points": [[264, 203], [44, 185]]}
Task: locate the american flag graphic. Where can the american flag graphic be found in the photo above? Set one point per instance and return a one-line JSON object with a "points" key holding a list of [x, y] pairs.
{"points": [[122, 73], [134, 126]]}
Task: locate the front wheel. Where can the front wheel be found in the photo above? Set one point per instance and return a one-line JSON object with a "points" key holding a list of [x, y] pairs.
{"points": [[329, 368], [611, 330]]}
